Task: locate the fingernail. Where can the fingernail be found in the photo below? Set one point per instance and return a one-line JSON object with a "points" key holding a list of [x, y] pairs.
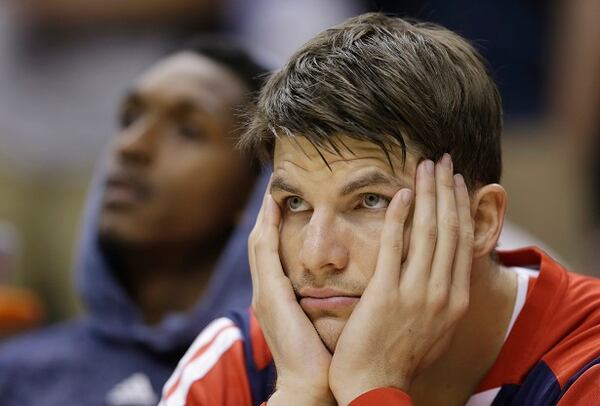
{"points": [[429, 166], [447, 161], [459, 181], [406, 196]]}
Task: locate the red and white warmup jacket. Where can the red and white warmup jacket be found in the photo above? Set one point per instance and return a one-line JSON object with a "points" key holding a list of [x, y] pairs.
{"points": [[551, 355]]}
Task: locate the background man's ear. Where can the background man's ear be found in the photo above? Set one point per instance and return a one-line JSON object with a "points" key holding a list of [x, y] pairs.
{"points": [[488, 207]]}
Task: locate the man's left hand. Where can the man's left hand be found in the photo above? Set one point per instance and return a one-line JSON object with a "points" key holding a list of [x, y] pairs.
{"points": [[407, 315]]}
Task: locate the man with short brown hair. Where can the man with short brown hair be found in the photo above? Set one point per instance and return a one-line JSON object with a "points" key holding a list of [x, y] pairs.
{"points": [[376, 278]]}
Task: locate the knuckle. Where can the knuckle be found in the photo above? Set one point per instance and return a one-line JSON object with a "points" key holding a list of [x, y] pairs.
{"points": [[467, 232], [438, 299], [396, 244], [467, 238], [448, 181], [429, 186], [451, 224], [254, 235], [261, 243], [428, 226], [431, 231], [461, 305]]}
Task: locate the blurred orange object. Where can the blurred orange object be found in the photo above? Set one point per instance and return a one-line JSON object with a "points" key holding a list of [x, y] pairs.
{"points": [[20, 310]]}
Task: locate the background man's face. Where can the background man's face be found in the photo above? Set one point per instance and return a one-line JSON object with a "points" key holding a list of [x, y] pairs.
{"points": [[173, 173], [331, 223]]}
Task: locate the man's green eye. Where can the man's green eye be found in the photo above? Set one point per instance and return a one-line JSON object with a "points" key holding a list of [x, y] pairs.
{"points": [[295, 203], [374, 201]]}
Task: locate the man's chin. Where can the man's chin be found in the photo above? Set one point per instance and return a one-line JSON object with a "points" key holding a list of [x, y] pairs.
{"points": [[329, 329], [114, 236], [121, 229]]}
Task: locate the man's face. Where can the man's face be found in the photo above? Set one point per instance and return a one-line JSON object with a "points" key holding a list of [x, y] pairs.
{"points": [[173, 173], [332, 221]]}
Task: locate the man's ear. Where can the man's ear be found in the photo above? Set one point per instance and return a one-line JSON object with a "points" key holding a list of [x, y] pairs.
{"points": [[488, 206]]}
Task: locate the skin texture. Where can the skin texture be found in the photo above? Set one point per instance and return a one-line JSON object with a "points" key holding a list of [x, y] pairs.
{"points": [[342, 233], [174, 175], [420, 273], [176, 185]]}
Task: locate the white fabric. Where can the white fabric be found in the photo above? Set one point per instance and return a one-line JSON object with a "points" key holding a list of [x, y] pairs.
{"points": [[208, 334], [198, 368], [483, 398]]}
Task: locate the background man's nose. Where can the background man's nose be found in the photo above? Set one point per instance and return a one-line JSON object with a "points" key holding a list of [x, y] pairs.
{"points": [[138, 144]]}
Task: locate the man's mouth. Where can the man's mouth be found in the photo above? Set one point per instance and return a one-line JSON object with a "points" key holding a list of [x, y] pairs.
{"points": [[326, 299], [125, 190]]}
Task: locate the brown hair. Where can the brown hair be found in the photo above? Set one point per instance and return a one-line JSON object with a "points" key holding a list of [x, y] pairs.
{"points": [[391, 82]]}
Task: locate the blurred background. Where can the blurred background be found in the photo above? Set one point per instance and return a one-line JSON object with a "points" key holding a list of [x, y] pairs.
{"points": [[64, 65]]}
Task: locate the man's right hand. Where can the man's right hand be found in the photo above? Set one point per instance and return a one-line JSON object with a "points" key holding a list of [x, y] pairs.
{"points": [[301, 359]]}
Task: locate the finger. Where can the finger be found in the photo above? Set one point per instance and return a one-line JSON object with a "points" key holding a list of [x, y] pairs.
{"points": [[269, 271], [264, 201], [424, 228], [461, 275], [447, 234], [389, 260], [252, 239]]}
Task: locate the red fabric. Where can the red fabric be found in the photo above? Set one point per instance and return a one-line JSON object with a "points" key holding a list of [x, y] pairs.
{"points": [[197, 355], [382, 397], [215, 375], [230, 370], [582, 318], [585, 391], [559, 323]]}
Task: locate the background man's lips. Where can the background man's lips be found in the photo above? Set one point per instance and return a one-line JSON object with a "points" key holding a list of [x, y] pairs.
{"points": [[117, 193], [123, 190]]}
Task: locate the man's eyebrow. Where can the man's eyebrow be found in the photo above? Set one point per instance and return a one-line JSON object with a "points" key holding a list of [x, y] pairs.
{"points": [[187, 105], [182, 106], [279, 184], [370, 179]]}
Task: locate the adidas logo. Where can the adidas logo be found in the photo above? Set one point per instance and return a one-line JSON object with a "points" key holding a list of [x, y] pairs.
{"points": [[133, 391]]}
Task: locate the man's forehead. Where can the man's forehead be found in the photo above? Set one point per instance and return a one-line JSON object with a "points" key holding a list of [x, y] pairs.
{"points": [[300, 151], [191, 78]]}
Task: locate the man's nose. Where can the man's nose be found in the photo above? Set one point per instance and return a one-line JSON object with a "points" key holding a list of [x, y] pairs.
{"points": [[137, 145], [324, 248]]}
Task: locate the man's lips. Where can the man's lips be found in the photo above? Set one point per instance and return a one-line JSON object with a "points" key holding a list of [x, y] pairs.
{"points": [[124, 189], [326, 299]]}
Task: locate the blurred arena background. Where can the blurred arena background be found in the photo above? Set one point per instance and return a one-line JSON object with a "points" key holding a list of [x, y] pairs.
{"points": [[65, 63]]}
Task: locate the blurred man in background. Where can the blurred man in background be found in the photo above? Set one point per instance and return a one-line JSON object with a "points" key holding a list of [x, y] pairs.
{"points": [[163, 249], [53, 56]]}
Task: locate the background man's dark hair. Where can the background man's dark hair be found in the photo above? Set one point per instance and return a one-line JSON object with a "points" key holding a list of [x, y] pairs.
{"points": [[236, 57], [233, 55], [391, 82]]}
